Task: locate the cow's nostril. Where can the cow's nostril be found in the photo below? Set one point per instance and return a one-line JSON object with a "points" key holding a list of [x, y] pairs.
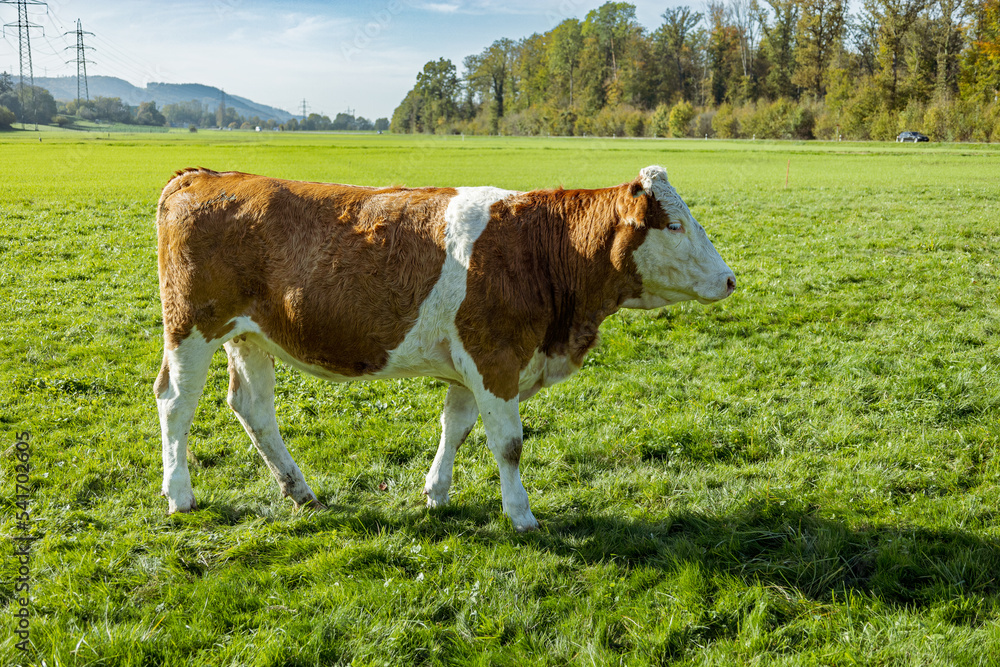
{"points": [[730, 284]]}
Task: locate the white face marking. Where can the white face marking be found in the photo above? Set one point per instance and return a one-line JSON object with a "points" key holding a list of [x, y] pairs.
{"points": [[677, 265]]}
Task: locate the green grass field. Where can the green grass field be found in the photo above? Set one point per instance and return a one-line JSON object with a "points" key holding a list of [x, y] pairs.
{"points": [[803, 474]]}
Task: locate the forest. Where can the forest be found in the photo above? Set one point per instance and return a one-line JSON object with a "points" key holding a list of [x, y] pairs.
{"points": [[782, 69]]}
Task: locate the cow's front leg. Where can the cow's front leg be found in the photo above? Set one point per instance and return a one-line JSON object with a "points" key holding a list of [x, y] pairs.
{"points": [[504, 437], [457, 419]]}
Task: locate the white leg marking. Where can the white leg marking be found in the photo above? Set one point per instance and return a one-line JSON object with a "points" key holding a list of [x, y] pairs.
{"points": [[186, 367], [251, 396], [457, 419], [504, 437]]}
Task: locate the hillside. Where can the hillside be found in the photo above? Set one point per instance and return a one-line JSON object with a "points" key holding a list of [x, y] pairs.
{"points": [[64, 88]]}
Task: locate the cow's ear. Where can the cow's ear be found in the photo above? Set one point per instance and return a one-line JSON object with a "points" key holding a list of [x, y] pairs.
{"points": [[634, 205]]}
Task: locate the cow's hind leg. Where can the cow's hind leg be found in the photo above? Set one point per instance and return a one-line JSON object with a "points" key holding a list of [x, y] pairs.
{"points": [[457, 419], [251, 396], [178, 388]]}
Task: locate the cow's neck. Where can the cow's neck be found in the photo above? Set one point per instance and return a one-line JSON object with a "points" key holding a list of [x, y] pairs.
{"points": [[590, 272]]}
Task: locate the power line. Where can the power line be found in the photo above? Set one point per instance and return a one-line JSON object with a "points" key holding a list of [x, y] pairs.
{"points": [[81, 62], [119, 62], [126, 64], [24, 27]]}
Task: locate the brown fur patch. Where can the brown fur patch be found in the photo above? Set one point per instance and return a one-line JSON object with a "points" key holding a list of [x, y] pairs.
{"points": [[513, 452], [334, 274], [234, 378], [162, 379], [546, 271]]}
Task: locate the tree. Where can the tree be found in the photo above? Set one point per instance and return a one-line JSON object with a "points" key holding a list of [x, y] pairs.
{"points": [[315, 122], [433, 100], [681, 116], [949, 25], [187, 113], [6, 83], [110, 109], [490, 74], [531, 71], [31, 104], [438, 86], [606, 32], [745, 17], [820, 33], [611, 24], [7, 118], [894, 18], [564, 59], [980, 78], [864, 37], [778, 46], [381, 124], [640, 72], [723, 53], [148, 114], [674, 52]]}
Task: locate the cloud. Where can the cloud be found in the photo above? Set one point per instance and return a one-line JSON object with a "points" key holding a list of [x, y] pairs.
{"points": [[440, 7], [299, 28]]}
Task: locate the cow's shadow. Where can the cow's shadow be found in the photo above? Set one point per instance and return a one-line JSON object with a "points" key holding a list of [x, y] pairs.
{"points": [[772, 544]]}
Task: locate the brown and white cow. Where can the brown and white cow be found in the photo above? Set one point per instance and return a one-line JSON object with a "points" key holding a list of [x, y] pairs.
{"points": [[498, 293]]}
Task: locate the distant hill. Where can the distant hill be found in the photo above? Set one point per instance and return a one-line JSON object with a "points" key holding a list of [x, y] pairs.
{"points": [[64, 88]]}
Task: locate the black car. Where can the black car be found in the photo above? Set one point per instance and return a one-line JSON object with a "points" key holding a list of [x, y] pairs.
{"points": [[912, 136]]}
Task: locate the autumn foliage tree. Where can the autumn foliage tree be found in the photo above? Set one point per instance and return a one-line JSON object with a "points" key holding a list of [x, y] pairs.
{"points": [[773, 68]]}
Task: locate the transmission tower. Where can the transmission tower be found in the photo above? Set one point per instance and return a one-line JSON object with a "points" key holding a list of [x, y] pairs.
{"points": [[303, 108], [24, 27], [81, 61]]}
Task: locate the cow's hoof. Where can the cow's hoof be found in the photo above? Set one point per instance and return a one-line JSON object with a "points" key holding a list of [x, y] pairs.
{"points": [[436, 499], [184, 506], [528, 525], [311, 504]]}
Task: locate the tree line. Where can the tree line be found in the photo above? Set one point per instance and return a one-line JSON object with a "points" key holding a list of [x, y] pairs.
{"points": [[740, 68], [34, 104]]}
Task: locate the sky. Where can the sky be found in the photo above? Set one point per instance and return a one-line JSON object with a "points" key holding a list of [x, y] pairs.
{"points": [[359, 56]]}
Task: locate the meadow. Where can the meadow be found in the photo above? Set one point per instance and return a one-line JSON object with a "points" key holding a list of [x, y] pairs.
{"points": [[803, 474]]}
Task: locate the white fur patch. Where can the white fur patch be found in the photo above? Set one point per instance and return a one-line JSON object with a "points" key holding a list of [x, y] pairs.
{"points": [[429, 347], [466, 217]]}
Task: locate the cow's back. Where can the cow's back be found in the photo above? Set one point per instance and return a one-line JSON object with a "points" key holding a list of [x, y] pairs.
{"points": [[333, 274]]}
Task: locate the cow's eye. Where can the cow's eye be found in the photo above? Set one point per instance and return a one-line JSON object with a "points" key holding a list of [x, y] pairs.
{"points": [[674, 226]]}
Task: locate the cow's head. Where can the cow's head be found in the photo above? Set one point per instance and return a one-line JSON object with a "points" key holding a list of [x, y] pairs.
{"points": [[676, 260]]}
